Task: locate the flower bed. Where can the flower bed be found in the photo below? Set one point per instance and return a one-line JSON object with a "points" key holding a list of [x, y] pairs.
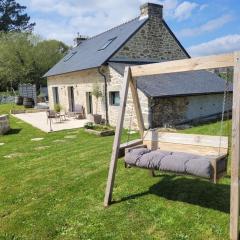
{"points": [[99, 130]]}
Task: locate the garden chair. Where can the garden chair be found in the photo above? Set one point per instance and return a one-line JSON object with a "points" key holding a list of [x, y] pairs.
{"points": [[79, 112], [52, 115]]}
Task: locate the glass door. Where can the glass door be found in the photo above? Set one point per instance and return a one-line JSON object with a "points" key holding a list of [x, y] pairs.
{"points": [[89, 103], [71, 99]]}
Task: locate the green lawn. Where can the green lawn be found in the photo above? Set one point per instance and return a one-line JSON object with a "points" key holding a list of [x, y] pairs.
{"points": [[54, 190]]}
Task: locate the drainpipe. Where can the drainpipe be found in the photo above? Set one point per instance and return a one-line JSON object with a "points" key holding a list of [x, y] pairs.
{"points": [[105, 92], [150, 112]]}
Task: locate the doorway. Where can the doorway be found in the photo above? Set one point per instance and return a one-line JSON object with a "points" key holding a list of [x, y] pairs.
{"points": [[55, 95], [89, 103], [71, 99]]}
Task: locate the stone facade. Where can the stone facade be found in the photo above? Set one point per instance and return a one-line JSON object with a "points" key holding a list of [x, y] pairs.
{"points": [[115, 84], [172, 111], [153, 42], [83, 82]]}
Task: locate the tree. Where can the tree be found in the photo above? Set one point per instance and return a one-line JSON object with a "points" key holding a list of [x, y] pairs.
{"points": [[97, 93], [13, 18], [45, 55], [26, 57]]}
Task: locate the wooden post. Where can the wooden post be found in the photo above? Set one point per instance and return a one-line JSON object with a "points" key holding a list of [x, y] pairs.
{"points": [[117, 138], [234, 204], [137, 107]]}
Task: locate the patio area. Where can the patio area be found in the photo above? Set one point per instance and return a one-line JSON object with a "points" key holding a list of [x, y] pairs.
{"points": [[39, 120]]}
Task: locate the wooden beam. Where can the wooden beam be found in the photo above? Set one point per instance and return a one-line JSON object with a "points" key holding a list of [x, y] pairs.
{"points": [[117, 138], [198, 63], [187, 139], [137, 107], [129, 144], [234, 208]]}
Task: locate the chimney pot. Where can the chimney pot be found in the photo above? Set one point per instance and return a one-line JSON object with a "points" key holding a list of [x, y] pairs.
{"points": [[151, 10], [79, 39]]}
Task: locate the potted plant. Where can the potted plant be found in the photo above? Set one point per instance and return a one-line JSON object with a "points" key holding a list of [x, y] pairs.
{"points": [[97, 93]]}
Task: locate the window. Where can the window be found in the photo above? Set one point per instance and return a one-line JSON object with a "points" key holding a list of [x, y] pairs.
{"points": [[114, 98], [69, 55], [106, 44], [55, 95]]}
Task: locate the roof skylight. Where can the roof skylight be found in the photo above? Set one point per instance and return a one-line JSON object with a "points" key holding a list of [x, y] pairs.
{"points": [[69, 56], [107, 43]]}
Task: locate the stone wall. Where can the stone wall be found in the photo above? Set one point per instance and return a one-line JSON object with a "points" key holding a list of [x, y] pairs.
{"points": [[153, 42], [175, 110], [130, 117], [83, 81]]}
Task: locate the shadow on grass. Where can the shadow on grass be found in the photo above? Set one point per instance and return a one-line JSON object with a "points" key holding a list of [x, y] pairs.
{"points": [[13, 131], [193, 191]]}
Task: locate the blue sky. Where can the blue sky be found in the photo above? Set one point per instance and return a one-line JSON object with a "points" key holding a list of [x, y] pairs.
{"points": [[203, 27]]}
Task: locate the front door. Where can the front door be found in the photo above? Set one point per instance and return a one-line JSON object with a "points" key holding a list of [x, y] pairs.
{"points": [[71, 99], [89, 103]]}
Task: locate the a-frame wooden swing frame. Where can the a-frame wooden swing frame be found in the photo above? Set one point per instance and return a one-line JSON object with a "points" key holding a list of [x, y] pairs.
{"points": [[200, 63]]}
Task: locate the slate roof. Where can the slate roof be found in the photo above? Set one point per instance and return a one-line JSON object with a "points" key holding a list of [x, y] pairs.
{"points": [[87, 53], [177, 84]]}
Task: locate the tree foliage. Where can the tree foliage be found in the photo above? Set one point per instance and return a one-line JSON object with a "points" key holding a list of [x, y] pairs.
{"points": [[13, 18], [24, 58]]}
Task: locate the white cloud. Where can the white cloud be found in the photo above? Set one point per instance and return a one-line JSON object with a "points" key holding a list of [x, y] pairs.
{"points": [[202, 7], [184, 10], [51, 30], [207, 27], [86, 17], [94, 16], [224, 44], [180, 10], [169, 6]]}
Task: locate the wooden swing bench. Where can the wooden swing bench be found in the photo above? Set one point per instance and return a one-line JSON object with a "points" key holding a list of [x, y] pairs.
{"points": [[185, 154], [204, 146]]}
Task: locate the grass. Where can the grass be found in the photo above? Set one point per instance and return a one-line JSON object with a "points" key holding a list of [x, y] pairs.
{"points": [[57, 192]]}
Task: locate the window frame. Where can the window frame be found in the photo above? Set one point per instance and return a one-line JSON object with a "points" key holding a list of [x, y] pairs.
{"points": [[70, 56], [106, 44], [112, 97]]}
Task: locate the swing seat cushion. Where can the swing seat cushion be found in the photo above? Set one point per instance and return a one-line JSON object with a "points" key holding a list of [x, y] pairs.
{"points": [[179, 162]]}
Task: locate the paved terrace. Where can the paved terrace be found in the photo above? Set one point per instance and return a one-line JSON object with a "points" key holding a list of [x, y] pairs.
{"points": [[39, 120]]}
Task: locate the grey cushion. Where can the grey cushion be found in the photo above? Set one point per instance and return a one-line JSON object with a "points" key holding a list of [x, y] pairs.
{"points": [[152, 159], [175, 162], [133, 155], [170, 161], [200, 166]]}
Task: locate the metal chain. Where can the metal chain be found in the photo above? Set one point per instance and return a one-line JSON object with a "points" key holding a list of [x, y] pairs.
{"points": [[223, 111], [130, 124]]}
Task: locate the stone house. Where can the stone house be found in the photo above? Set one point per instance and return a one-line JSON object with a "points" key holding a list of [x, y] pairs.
{"points": [[171, 98]]}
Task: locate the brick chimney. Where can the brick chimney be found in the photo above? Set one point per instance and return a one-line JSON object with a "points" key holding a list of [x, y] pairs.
{"points": [[79, 39], [151, 10]]}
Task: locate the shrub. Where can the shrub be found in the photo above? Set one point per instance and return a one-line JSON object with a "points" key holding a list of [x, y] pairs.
{"points": [[89, 125], [57, 108]]}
